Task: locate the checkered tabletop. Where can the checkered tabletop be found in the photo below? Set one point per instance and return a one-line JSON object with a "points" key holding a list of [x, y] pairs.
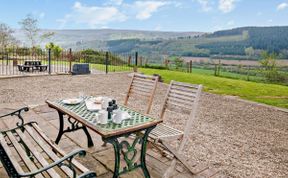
{"points": [[81, 111]]}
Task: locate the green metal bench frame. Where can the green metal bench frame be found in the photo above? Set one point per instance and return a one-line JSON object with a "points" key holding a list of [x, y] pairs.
{"points": [[13, 169]]}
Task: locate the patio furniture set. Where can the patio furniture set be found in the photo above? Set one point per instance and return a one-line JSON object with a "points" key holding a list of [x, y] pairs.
{"points": [[137, 131], [31, 65]]}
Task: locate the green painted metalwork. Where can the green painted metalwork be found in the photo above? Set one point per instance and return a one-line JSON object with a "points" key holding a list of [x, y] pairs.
{"points": [[130, 149], [66, 160], [125, 148], [81, 111]]}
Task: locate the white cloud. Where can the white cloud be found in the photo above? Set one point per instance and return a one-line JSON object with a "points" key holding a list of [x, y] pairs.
{"points": [[93, 16], [205, 5], [231, 23], [226, 5], [146, 8], [282, 6]]}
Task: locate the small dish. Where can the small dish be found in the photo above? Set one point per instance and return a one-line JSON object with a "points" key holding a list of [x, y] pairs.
{"points": [[72, 101]]}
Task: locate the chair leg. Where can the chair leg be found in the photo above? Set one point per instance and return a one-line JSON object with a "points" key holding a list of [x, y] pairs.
{"points": [[157, 147], [169, 172]]}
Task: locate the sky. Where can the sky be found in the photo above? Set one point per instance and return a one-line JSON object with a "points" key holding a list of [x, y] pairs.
{"points": [[154, 15]]}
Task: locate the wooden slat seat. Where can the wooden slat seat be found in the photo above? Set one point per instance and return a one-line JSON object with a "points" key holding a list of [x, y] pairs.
{"points": [[26, 149], [143, 86], [164, 131]]}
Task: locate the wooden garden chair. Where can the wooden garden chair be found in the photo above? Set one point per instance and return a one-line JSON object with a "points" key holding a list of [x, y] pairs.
{"points": [[181, 97], [142, 86]]}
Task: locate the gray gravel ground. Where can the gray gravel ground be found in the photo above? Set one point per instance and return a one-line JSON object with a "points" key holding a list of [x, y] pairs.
{"points": [[241, 139]]}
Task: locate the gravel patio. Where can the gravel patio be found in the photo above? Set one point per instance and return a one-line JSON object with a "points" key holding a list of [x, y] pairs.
{"points": [[241, 139]]}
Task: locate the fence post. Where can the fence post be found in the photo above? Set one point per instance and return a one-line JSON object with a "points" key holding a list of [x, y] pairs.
{"points": [[106, 62], [219, 67], [136, 62], [248, 74], [7, 58], [215, 70], [140, 61], [49, 61], [70, 60], [190, 66], [129, 61]]}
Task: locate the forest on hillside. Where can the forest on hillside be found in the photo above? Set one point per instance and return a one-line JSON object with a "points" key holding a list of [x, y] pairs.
{"points": [[227, 42]]}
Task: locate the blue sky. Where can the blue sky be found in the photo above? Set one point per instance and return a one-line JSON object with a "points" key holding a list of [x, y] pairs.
{"points": [[163, 15]]}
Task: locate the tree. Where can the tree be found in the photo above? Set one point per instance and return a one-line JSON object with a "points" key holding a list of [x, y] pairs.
{"points": [[30, 27], [269, 66], [55, 49], [178, 62], [6, 36], [249, 51]]}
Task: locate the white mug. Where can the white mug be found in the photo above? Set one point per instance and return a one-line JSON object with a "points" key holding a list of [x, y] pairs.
{"points": [[103, 117], [105, 102], [117, 116]]}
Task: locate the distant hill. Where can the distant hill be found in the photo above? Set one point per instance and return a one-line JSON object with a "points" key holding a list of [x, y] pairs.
{"points": [[155, 44], [272, 39], [73, 38]]}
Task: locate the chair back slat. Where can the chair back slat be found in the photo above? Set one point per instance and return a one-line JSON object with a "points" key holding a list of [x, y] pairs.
{"points": [[143, 86], [181, 96]]}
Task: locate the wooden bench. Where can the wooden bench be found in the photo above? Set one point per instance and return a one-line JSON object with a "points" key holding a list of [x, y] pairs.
{"points": [[25, 151], [33, 65]]}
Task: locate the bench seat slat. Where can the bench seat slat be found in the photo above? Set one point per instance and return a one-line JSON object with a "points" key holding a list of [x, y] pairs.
{"points": [[61, 152], [11, 155], [48, 150], [31, 166], [36, 154]]}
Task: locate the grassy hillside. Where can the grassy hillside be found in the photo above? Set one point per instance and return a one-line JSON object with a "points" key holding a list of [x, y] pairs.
{"points": [[227, 42], [271, 94], [155, 44]]}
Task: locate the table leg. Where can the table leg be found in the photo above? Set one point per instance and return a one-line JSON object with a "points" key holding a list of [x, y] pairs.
{"points": [[61, 126], [143, 151], [74, 126], [89, 139], [116, 146], [129, 153]]}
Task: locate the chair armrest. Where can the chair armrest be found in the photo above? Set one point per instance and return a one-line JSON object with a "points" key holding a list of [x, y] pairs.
{"points": [[88, 174], [17, 112], [69, 157]]}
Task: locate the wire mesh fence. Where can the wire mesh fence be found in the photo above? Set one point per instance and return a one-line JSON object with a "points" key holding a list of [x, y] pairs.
{"points": [[255, 72]]}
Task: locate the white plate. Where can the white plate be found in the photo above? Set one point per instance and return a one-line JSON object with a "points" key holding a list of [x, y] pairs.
{"points": [[72, 101], [91, 106]]}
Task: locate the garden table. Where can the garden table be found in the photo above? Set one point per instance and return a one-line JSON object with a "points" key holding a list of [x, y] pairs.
{"points": [[139, 125]]}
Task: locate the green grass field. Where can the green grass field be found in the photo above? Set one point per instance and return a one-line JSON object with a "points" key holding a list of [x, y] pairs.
{"points": [[271, 94]]}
